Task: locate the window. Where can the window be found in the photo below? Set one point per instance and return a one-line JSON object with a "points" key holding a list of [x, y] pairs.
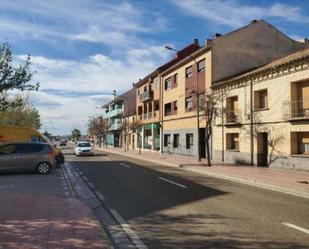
{"points": [[303, 142], [201, 65], [30, 148], [167, 140], [232, 141], [138, 92], [189, 72], [167, 109], [189, 141], [175, 79], [260, 99], [168, 84], [176, 140], [175, 106], [7, 149], [189, 102], [140, 110], [156, 105], [37, 139], [145, 88]]}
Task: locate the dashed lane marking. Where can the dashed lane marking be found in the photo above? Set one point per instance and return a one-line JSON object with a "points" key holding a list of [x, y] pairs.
{"points": [[133, 236], [6, 186], [172, 182], [85, 178], [100, 195], [125, 165], [91, 185], [304, 230]]}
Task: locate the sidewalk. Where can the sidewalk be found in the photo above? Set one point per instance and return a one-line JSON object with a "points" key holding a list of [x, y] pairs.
{"points": [[287, 181], [38, 221]]}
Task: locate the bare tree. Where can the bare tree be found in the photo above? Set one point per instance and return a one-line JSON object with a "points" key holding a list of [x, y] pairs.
{"points": [[274, 139], [125, 131], [210, 108], [97, 126]]}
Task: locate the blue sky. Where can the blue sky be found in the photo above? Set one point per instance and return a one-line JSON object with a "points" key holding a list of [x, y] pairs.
{"points": [[83, 49]]}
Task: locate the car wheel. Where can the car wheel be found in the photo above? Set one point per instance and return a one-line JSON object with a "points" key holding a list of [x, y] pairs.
{"points": [[43, 168]]}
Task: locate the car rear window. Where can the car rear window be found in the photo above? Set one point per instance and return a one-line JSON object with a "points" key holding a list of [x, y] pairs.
{"points": [[30, 148]]}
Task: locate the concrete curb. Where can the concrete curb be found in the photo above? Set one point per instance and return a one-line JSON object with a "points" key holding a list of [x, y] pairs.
{"points": [[254, 182], [113, 229]]}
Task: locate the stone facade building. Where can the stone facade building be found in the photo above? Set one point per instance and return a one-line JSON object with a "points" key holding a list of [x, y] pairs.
{"points": [[276, 96]]}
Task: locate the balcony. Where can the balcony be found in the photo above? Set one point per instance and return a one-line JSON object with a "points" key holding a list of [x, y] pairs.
{"points": [[148, 95], [232, 117], [113, 113], [296, 109], [115, 126]]}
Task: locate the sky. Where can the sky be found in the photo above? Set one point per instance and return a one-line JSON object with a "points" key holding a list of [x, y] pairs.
{"points": [[82, 50]]}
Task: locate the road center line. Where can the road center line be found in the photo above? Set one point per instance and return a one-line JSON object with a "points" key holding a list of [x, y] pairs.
{"points": [[296, 227], [125, 165], [172, 182], [133, 236]]}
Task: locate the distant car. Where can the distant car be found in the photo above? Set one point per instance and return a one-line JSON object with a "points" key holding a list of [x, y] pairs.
{"points": [[63, 143], [39, 157], [83, 148]]}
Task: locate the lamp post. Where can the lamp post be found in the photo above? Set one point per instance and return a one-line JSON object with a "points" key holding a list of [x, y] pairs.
{"points": [[197, 103]]}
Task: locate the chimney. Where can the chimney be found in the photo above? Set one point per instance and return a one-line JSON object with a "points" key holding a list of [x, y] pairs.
{"points": [[195, 41], [208, 42], [216, 35], [305, 41], [114, 94], [253, 21]]}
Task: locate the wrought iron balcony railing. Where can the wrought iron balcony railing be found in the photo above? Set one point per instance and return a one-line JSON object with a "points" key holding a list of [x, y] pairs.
{"points": [[232, 116], [296, 109]]}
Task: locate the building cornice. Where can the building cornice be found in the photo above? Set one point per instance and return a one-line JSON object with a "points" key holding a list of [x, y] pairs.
{"points": [[186, 60], [264, 73]]}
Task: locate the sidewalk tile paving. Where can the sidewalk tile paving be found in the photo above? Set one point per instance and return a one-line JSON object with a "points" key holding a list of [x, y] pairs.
{"points": [[37, 221], [283, 180]]}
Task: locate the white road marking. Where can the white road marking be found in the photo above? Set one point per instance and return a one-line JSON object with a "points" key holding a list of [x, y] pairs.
{"points": [[296, 227], [7, 186], [81, 173], [91, 185], [172, 182], [125, 165], [85, 178], [100, 195], [133, 236]]}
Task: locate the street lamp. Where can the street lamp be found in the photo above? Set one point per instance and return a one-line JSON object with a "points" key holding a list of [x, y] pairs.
{"points": [[197, 102]]}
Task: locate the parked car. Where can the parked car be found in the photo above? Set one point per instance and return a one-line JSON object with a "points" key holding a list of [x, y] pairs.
{"points": [[14, 134], [83, 148], [39, 157], [63, 143]]}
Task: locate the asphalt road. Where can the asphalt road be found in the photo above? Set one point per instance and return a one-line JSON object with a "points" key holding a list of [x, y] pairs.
{"points": [[170, 208]]}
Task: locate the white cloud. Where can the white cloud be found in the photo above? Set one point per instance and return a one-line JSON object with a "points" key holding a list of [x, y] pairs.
{"points": [[235, 13], [110, 23], [67, 87]]}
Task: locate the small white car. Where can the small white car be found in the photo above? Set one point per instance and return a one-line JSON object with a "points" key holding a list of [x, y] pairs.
{"points": [[83, 148]]}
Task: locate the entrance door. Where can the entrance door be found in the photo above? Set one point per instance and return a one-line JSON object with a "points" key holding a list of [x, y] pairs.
{"points": [[116, 139], [262, 149], [202, 143]]}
